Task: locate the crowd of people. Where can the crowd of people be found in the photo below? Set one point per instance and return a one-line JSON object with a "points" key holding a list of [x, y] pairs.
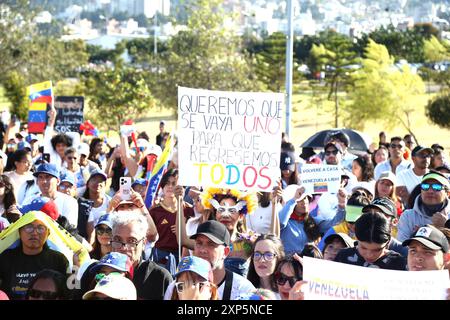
{"points": [[391, 211]]}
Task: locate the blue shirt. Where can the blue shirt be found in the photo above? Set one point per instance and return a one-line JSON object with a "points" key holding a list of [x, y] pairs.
{"points": [[293, 233]]}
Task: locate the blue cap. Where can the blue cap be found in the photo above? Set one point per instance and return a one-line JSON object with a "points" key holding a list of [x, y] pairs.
{"points": [[105, 219], [67, 176], [195, 264], [97, 172], [31, 137], [48, 168], [22, 145], [115, 260], [140, 181]]}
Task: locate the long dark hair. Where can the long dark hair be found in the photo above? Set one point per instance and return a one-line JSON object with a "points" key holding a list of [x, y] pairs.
{"points": [[17, 156], [295, 264], [10, 198], [252, 276], [58, 279], [373, 227], [366, 165]]}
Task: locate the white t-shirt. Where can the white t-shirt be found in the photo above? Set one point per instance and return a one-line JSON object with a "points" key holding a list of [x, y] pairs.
{"points": [[260, 220], [96, 213], [240, 286], [408, 179], [18, 180]]}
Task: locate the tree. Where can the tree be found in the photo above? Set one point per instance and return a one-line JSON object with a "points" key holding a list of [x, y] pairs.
{"points": [[116, 95], [206, 55], [340, 61], [382, 92], [434, 50], [15, 91], [271, 61], [438, 111]]}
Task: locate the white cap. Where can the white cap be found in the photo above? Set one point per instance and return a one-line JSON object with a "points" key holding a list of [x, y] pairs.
{"points": [[83, 148], [114, 286]]}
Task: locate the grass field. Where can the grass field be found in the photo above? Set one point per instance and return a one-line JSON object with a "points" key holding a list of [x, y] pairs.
{"points": [[307, 118]]}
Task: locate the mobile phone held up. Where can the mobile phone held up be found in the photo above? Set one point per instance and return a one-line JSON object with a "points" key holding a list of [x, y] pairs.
{"points": [[46, 157], [125, 188]]}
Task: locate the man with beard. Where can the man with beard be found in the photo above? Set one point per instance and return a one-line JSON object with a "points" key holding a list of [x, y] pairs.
{"points": [[408, 179]]}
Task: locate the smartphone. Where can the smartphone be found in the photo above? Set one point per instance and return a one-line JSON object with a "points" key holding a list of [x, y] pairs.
{"points": [[46, 157], [125, 188]]}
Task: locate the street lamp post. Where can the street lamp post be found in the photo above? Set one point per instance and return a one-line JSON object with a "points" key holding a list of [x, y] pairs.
{"points": [[289, 59]]}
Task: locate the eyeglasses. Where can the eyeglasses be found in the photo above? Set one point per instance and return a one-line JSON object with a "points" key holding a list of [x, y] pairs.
{"points": [[182, 286], [100, 231], [72, 158], [434, 186], [395, 146], [29, 228], [281, 279], [47, 295], [334, 152], [268, 256], [128, 245]]}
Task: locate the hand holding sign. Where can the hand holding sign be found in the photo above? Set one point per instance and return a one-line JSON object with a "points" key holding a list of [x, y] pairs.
{"points": [[342, 197]]}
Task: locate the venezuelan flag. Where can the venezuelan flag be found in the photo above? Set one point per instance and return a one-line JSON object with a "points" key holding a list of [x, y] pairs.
{"points": [[40, 95], [154, 178]]}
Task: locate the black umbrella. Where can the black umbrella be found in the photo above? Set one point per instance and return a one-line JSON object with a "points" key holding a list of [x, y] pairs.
{"points": [[358, 141]]}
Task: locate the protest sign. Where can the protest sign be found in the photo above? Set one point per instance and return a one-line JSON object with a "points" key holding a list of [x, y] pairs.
{"points": [[320, 178], [329, 280], [69, 115], [229, 139]]}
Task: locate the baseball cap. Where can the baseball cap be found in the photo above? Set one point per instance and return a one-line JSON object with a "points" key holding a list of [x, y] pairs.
{"points": [[195, 264], [349, 242], [287, 161], [438, 177], [437, 146], [139, 181], [289, 192], [97, 172], [83, 148], [22, 145], [31, 137], [388, 175], [430, 237], [105, 219], [419, 149], [386, 205], [114, 286], [116, 260], [162, 122], [67, 176], [48, 168], [334, 144], [215, 231], [43, 204], [352, 213]]}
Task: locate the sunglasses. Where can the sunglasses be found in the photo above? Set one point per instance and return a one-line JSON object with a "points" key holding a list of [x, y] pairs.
{"points": [[395, 146], [281, 279], [100, 276], [101, 231], [434, 186], [140, 149], [47, 295], [329, 153]]}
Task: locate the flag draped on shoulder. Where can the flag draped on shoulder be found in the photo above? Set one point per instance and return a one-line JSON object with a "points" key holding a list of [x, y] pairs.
{"points": [[59, 239], [40, 95], [160, 167]]}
